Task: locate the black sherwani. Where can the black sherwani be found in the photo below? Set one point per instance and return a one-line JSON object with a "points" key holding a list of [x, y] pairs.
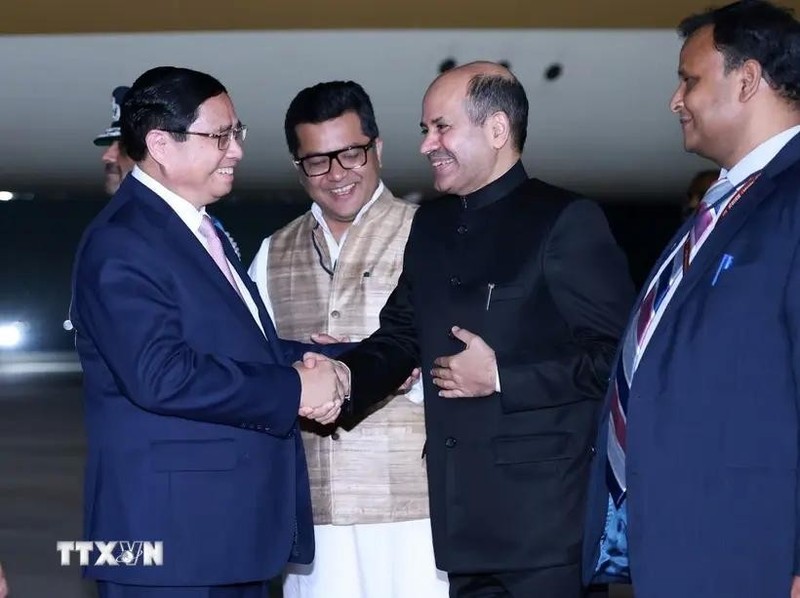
{"points": [[535, 271]]}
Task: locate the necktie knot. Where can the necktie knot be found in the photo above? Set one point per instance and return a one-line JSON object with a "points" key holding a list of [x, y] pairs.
{"points": [[207, 228], [721, 188]]}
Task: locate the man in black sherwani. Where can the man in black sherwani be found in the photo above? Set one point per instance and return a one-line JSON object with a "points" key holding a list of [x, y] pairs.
{"points": [[512, 298]]}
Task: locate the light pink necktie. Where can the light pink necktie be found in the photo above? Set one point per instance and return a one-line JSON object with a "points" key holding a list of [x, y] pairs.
{"points": [[215, 249]]}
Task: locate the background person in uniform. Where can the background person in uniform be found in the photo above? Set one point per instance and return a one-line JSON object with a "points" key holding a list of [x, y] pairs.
{"points": [[116, 161]]}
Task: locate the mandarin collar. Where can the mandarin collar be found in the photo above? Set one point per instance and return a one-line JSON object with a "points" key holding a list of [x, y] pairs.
{"points": [[497, 189]]}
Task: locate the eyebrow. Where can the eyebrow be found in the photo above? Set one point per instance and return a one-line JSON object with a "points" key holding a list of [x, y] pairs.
{"points": [[225, 128], [436, 121]]}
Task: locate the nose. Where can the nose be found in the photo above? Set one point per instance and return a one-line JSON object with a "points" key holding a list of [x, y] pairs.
{"points": [[111, 155], [336, 173], [235, 150], [676, 101], [430, 142]]}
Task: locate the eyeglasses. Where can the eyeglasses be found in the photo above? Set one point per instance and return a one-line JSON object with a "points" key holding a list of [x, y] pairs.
{"points": [[354, 156], [239, 133]]}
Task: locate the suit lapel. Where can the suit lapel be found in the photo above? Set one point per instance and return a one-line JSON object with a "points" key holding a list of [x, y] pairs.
{"points": [[725, 230], [266, 321], [178, 237], [709, 254]]}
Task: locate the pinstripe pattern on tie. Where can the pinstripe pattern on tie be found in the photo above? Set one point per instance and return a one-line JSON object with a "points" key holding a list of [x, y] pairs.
{"points": [[636, 338]]}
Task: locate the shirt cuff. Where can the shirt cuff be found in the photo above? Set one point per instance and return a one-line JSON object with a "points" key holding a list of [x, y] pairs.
{"points": [[496, 378]]}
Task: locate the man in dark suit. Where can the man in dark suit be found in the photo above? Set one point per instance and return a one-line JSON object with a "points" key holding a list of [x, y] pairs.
{"points": [[513, 296], [191, 398], [699, 443]]}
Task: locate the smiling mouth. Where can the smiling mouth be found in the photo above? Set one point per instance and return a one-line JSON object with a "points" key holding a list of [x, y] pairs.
{"points": [[439, 163], [227, 171], [342, 191]]}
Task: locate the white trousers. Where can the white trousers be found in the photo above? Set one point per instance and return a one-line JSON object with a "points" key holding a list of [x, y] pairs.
{"points": [[378, 560]]}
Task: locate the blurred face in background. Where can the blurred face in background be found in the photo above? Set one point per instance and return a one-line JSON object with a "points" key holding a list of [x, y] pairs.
{"points": [[117, 165]]}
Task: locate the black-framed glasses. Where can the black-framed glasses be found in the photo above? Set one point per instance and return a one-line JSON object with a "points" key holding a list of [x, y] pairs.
{"points": [[239, 133], [354, 156]]}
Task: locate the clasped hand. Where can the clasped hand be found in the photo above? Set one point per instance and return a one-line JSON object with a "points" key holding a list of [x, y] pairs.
{"points": [[325, 384]]}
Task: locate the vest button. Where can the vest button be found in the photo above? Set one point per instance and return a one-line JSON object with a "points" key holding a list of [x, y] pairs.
{"points": [[335, 314], [450, 442], [335, 436], [462, 229], [455, 281]]}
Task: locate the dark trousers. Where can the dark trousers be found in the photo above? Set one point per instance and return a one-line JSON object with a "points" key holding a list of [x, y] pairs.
{"points": [[107, 589], [551, 582]]}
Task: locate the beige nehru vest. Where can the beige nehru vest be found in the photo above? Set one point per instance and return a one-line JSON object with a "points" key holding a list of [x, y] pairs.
{"points": [[373, 472]]}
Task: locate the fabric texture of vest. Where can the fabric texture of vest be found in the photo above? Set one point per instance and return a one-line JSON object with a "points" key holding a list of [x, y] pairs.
{"points": [[372, 472]]}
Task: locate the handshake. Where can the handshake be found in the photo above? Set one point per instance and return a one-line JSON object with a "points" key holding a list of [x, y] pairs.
{"points": [[325, 386]]}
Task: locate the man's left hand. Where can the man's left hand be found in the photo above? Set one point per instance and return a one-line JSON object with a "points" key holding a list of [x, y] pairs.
{"points": [[795, 593], [470, 373]]}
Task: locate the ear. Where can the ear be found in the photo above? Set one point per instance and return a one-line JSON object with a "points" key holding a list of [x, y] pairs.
{"points": [[158, 144], [379, 150], [750, 74], [498, 128]]}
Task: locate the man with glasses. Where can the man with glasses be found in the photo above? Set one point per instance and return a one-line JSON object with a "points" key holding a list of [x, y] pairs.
{"points": [[331, 270], [191, 398]]}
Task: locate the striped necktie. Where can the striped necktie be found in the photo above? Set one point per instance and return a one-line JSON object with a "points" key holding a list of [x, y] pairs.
{"points": [[636, 337]]}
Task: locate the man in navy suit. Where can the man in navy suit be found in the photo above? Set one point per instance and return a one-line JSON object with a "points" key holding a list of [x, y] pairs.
{"points": [[191, 398], [697, 463]]}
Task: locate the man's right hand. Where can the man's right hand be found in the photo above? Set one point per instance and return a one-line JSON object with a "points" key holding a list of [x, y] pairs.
{"points": [[324, 386]]}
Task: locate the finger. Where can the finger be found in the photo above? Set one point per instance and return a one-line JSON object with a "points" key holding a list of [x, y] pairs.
{"points": [[443, 373], [322, 338], [327, 413], [452, 394], [445, 384], [330, 416], [415, 374], [443, 362], [464, 335]]}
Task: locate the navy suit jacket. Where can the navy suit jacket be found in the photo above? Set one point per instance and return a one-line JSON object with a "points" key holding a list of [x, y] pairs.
{"points": [[712, 435], [191, 413]]}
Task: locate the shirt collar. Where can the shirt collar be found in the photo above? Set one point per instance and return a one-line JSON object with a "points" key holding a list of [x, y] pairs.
{"points": [[759, 157], [190, 215], [497, 189], [316, 211]]}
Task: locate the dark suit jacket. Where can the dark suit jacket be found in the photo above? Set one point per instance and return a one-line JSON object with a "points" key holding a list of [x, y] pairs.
{"points": [[506, 473], [712, 437], [190, 412]]}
